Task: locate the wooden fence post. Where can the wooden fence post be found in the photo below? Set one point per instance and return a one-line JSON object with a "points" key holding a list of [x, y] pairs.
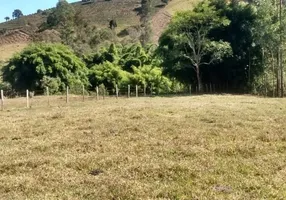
{"points": [[97, 92], [128, 92], [136, 90], [2, 100], [67, 95], [27, 99], [48, 95], [83, 91], [116, 90], [190, 89], [144, 90], [103, 94]]}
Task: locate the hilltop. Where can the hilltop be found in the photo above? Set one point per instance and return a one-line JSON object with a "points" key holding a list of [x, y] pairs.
{"points": [[15, 34]]}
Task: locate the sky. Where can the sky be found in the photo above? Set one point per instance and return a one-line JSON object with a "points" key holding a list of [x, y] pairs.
{"points": [[26, 6]]}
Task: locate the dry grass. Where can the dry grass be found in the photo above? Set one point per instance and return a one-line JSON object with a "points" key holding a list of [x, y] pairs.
{"points": [[202, 147], [8, 50], [180, 5]]}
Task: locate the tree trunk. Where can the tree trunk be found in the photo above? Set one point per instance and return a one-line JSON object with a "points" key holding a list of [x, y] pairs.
{"points": [[273, 74], [200, 89], [278, 74]]}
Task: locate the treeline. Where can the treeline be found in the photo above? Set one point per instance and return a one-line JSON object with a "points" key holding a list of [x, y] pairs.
{"points": [[237, 45], [56, 66]]}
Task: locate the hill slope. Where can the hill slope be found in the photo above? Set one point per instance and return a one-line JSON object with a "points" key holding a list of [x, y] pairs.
{"points": [[97, 14]]}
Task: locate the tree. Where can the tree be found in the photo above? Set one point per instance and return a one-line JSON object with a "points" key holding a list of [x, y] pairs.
{"points": [[238, 72], [146, 12], [187, 42], [45, 65], [62, 17], [269, 34], [7, 18], [112, 24], [17, 14]]}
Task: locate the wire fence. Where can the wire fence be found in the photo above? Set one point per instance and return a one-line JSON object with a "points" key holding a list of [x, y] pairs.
{"points": [[11, 99]]}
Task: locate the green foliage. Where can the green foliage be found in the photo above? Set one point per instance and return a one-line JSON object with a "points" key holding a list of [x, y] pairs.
{"points": [[62, 15], [17, 14], [146, 12], [148, 75], [187, 42], [123, 65], [108, 74], [45, 65]]}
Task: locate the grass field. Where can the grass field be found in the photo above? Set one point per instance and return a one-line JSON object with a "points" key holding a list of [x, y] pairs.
{"points": [[200, 147]]}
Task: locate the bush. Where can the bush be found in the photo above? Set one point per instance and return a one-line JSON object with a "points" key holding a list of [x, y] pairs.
{"points": [[108, 74], [45, 65]]}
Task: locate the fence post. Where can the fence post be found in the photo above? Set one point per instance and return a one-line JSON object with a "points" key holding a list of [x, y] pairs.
{"points": [[2, 100], [128, 91], [27, 99], [116, 90], [151, 90], [103, 94], [196, 89], [96, 92], [48, 95], [144, 90], [136, 90], [83, 91], [190, 89], [67, 95]]}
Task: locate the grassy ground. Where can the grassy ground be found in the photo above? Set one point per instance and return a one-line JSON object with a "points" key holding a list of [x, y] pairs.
{"points": [[180, 5], [201, 147]]}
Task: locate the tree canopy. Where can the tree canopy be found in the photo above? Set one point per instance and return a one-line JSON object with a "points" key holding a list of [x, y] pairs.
{"points": [[187, 42], [17, 13], [45, 65]]}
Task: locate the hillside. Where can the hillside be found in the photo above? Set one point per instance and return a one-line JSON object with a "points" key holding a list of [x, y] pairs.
{"points": [[97, 14]]}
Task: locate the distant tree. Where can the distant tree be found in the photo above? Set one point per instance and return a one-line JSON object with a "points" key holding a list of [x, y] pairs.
{"points": [[7, 18], [112, 24], [146, 12], [39, 11], [63, 18], [17, 14], [63, 15]]}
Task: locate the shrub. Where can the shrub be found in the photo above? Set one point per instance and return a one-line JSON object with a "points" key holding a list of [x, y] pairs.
{"points": [[41, 65]]}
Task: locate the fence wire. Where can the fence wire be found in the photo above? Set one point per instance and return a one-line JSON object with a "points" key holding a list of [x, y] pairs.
{"points": [[11, 99]]}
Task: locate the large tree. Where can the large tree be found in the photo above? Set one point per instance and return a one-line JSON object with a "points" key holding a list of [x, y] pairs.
{"points": [[17, 14], [45, 65], [187, 42]]}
